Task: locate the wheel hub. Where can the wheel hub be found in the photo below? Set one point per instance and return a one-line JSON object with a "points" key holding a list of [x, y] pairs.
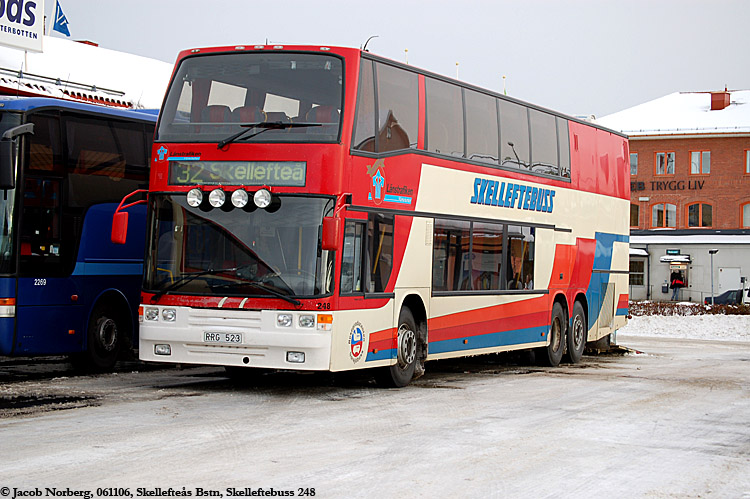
{"points": [[407, 346], [106, 334], [578, 330]]}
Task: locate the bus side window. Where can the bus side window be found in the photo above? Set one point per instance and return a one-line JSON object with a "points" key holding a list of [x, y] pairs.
{"points": [[380, 251], [520, 273], [514, 135], [351, 261], [398, 108], [445, 118], [364, 130]]}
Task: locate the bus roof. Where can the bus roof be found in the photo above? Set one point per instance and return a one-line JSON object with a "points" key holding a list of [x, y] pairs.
{"points": [[349, 52], [29, 103]]}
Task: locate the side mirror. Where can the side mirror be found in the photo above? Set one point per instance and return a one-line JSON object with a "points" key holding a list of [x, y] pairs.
{"points": [[7, 167], [330, 235], [7, 151], [120, 227]]}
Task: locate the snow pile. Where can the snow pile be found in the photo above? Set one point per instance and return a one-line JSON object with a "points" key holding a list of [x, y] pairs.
{"points": [[695, 327]]}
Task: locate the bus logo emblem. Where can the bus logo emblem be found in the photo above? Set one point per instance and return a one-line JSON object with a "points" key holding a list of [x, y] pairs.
{"points": [[357, 342], [376, 172], [162, 151]]}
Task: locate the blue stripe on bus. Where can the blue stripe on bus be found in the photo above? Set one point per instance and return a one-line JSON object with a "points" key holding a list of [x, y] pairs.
{"points": [[397, 199], [389, 353], [184, 158], [622, 311], [83, 268], [503, 338]]}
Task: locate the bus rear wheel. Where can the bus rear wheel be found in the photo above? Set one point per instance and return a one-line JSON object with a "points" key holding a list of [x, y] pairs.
{"points": [[576, 337], [400, 374], [104, 338], [551, 355]]}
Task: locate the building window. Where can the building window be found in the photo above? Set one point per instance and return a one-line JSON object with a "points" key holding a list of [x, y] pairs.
{"points": [[665, 163], [747, 161], [663, 215], [746, 216], [700, 162], [637, 272], [634, 215], [634, 163], [700, 215]]}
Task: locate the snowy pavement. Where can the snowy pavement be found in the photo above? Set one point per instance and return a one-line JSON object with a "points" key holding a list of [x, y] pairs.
{"points": [[696, 327], [671, 421]]}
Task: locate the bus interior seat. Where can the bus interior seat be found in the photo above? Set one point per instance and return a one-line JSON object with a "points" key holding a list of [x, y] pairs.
{"points": [[216, 114], [248, 114], [393, 137], [277, 116], [323, 114]]}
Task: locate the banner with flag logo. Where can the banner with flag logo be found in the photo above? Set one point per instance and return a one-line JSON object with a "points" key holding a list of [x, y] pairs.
{"points": [[22, 24], [61, 22]]}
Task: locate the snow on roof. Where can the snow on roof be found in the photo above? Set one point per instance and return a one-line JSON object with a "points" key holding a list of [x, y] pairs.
{"points": [[691, 239], [140, 80], [638, 252], [683, 113]]}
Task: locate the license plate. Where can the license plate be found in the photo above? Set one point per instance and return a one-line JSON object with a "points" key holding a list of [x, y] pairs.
{"points": [[222, 337]]}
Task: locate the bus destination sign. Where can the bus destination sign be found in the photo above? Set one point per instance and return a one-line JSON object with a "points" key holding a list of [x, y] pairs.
{"points": [[282, 173]]}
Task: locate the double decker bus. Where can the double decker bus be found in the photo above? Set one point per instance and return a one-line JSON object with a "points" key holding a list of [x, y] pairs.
{"points": [[65, 288], [322, 208]]}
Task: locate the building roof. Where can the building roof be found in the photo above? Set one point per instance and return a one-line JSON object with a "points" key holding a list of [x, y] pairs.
{"points": [[683, 113], [66, 69]]}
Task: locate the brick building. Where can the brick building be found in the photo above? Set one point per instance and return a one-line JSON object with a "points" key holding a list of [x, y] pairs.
{"points": [[690, 192]]}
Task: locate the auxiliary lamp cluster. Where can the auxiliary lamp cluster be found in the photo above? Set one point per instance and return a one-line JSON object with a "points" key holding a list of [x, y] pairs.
{"points": [[240, 198]]}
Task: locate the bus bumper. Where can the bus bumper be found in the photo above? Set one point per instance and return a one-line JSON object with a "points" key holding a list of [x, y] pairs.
{"points": [[228, 337]]}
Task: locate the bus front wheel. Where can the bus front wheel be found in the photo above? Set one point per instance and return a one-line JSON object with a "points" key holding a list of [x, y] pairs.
{"points": [[105, 337], [401, 373], [551, 355]]}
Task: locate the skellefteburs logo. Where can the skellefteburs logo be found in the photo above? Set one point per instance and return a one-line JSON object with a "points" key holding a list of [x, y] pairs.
{"points": [[357, 342]]}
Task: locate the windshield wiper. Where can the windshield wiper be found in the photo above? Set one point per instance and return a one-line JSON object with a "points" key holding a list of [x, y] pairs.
{"points": [[186, 278], [260, 285], [263, 125]]}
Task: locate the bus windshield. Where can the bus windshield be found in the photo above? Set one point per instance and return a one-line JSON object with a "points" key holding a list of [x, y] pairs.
{"points": [[215, 97], [271, 252], [7, 201]]}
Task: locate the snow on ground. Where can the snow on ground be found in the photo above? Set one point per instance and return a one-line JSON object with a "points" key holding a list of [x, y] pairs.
{"points": [[696, 327]]}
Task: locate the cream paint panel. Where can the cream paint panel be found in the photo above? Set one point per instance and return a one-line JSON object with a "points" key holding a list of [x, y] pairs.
{"points": [[585, 212], [416, 267], [621, 257], [372, 320], [448, 305]]}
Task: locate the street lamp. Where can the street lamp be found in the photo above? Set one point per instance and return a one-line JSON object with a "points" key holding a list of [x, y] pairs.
{"points": [[712, 252]]}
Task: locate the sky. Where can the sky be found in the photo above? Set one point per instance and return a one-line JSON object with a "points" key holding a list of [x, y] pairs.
{"points": [[580, 57]]}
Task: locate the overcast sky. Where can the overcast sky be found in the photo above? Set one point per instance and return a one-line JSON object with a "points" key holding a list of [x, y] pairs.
{"points": [[580, 57]]}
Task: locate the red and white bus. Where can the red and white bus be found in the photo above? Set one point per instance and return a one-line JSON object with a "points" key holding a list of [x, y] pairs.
{"points": [[322, 208]]}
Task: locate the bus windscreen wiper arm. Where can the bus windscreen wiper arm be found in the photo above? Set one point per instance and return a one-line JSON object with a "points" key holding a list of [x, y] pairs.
{"points": [[264, 125], [186, 278]]}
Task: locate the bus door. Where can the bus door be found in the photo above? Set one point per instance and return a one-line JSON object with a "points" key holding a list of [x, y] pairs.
{"points": [[47, 297]]}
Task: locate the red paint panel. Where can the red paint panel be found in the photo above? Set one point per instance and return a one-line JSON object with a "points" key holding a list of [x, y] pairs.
{"points": [[382, 340], [488, 314], [623, 301], [585, 252], [535, 319]]}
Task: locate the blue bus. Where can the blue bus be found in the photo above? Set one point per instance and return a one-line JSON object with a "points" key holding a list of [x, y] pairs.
{"points": [[65, 288]]}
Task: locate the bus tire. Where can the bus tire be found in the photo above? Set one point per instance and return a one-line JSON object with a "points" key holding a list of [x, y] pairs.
{"points": [[104, 337], [551, 355], [401, 373], [576, 337]]}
